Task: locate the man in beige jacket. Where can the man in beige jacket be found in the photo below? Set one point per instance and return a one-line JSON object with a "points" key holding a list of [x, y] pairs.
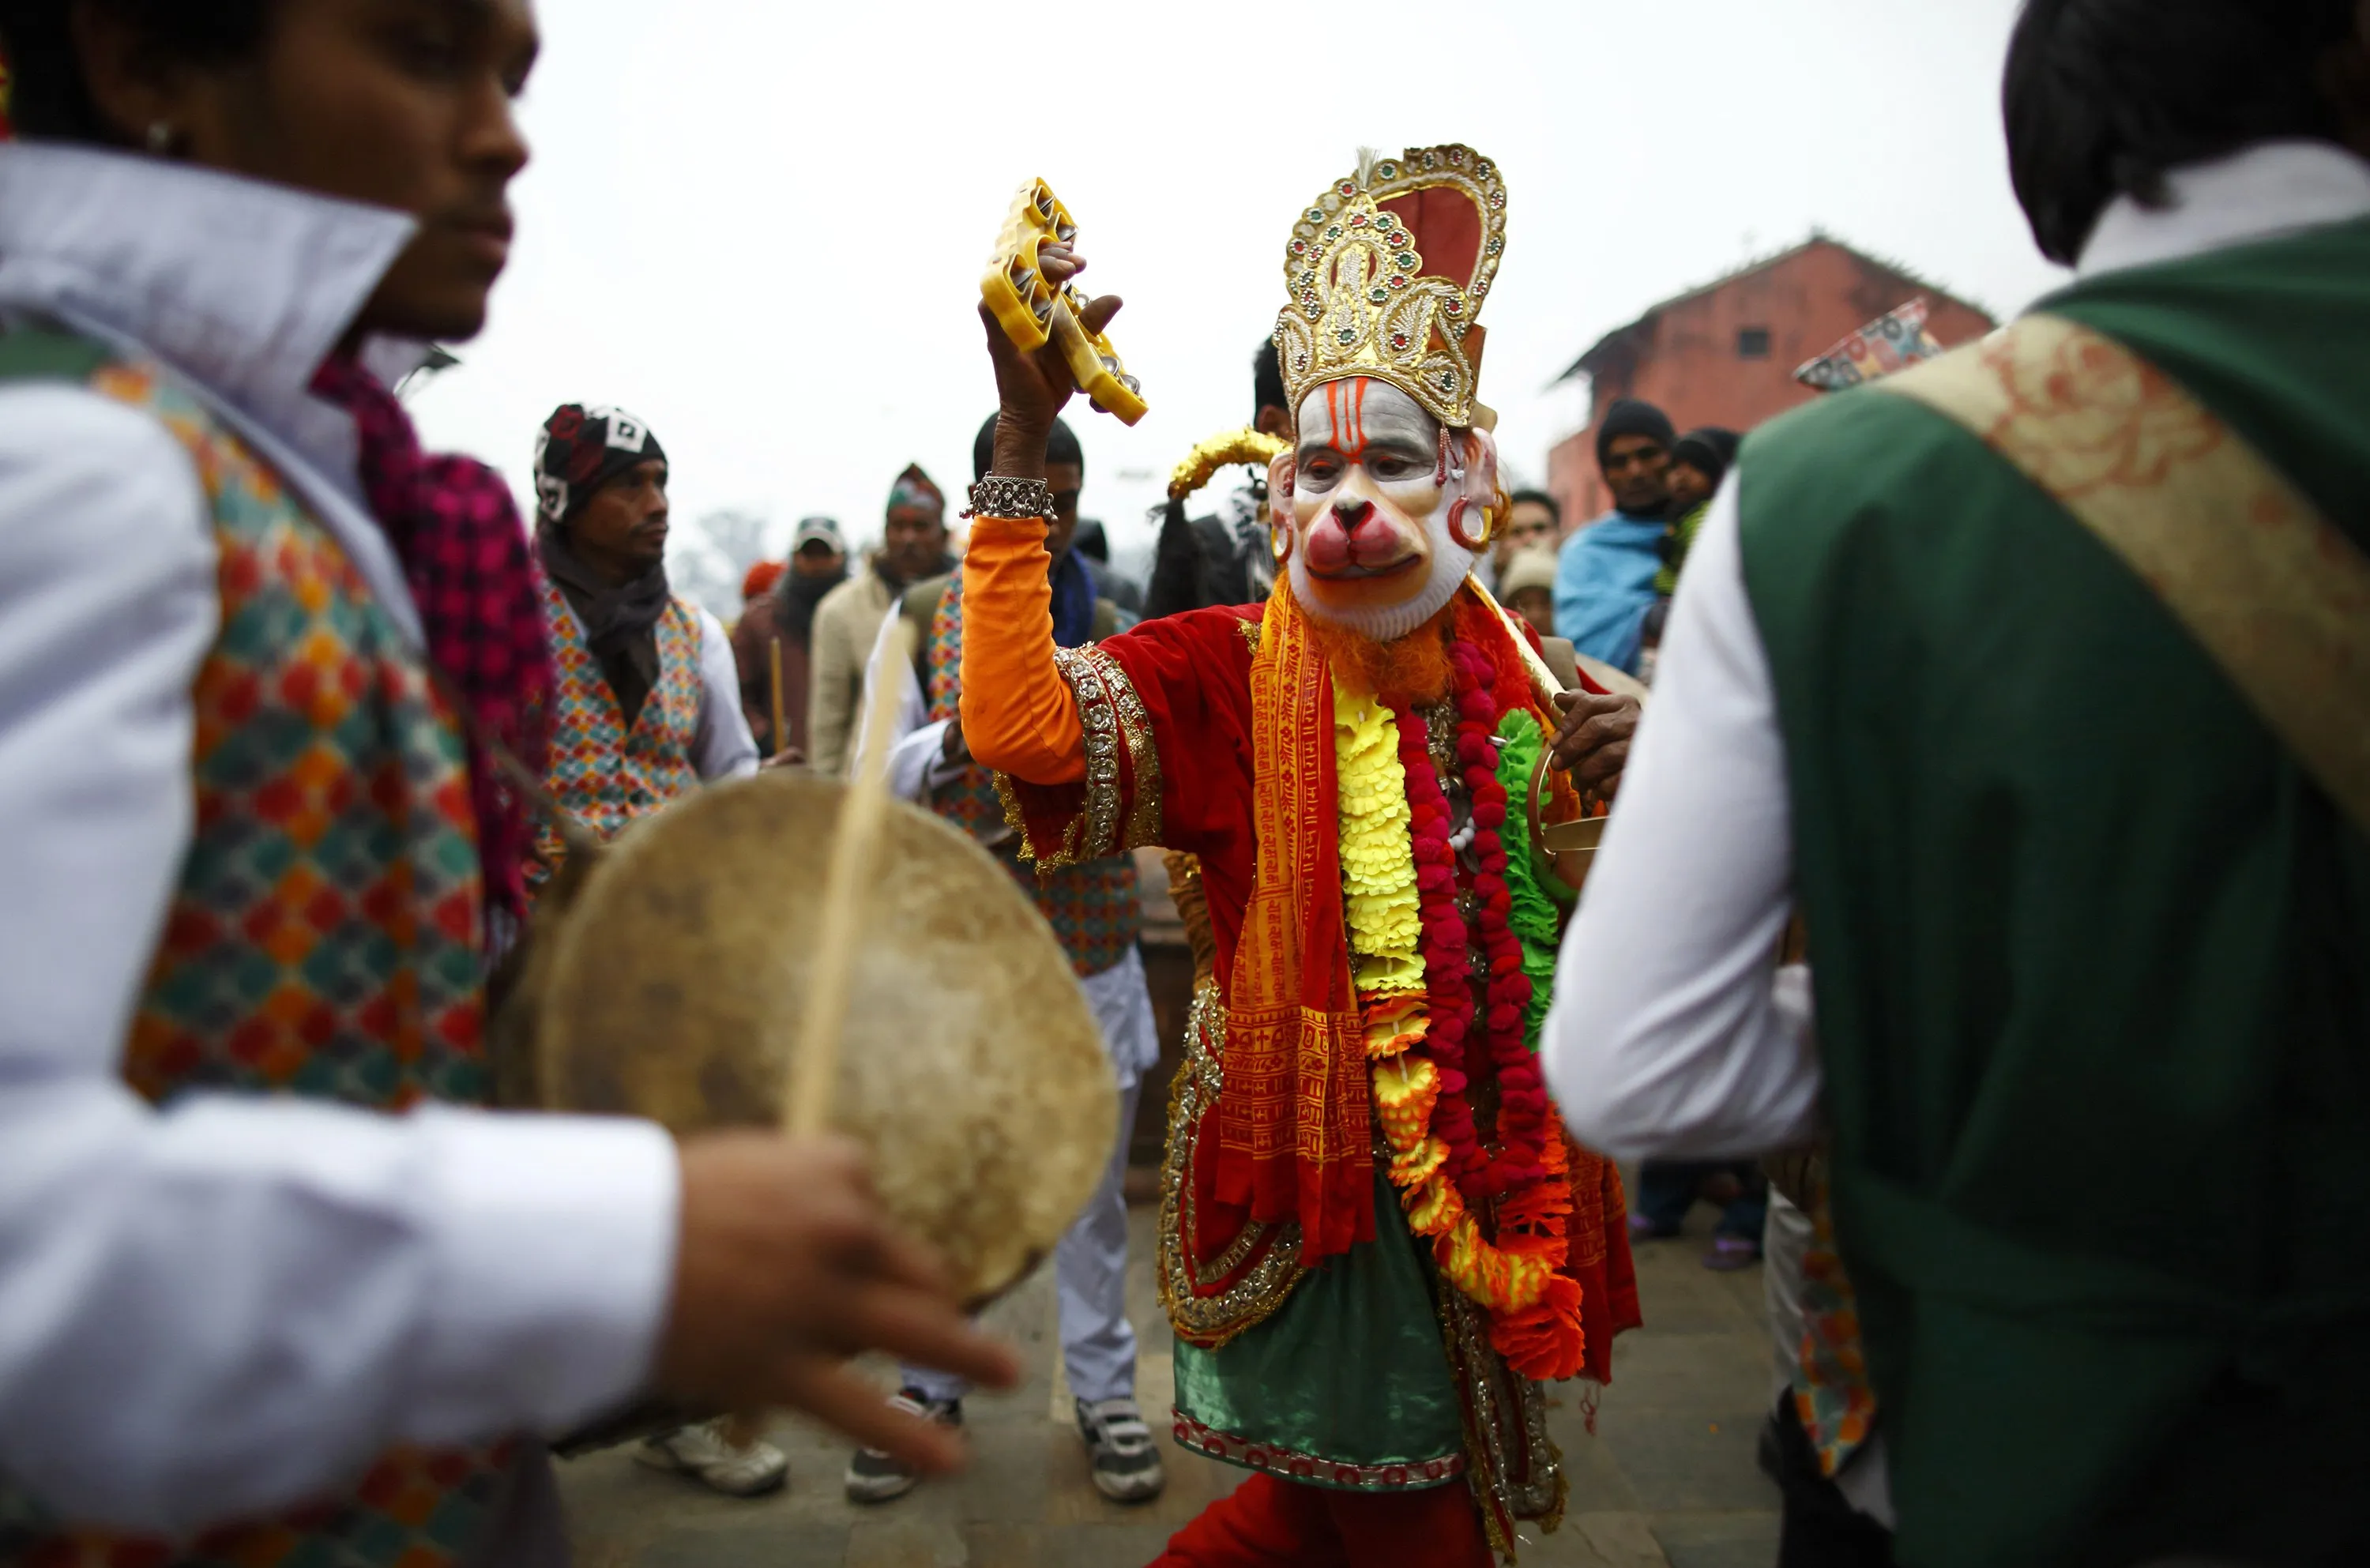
{"points": [[913, 547]]}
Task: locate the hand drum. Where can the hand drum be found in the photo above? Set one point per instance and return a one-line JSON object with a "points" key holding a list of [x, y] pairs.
{"points": [[1033, 313], [670, 986]]}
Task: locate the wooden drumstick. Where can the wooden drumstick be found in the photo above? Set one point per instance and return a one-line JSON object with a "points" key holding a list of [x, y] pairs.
{"points": [[847, 895], [781, 729]]}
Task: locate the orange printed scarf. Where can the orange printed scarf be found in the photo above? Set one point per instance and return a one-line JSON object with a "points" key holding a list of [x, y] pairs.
{"points": [[1293, 1118]]}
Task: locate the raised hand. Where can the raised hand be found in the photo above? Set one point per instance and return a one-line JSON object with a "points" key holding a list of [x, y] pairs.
{"points": [[1033, 387], [785, 1269]]}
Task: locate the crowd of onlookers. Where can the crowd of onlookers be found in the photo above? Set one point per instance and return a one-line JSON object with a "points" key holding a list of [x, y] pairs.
{"points": [[807, 623], [1606, 585]]}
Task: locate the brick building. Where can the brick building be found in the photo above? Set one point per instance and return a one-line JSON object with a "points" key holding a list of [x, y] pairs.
{"points": [[1726, 353]]}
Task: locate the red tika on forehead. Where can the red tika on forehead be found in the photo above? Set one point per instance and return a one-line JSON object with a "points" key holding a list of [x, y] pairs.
{"points": [[1360, 411], [1345, 412]]}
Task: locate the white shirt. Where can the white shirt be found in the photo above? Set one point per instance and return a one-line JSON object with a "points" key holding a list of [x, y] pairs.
{"points": [[1673, 1034], [227, 1307], [917, 764]]}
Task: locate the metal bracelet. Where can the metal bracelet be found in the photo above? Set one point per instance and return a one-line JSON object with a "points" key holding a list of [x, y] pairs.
{"points": [[998, 497]]}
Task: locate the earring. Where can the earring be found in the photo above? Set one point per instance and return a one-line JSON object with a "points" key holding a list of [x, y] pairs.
{"points": [[1458, 509], [161, 137]]}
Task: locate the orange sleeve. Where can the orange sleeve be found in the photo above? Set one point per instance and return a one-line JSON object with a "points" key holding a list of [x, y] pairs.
{"points": [[1018, 714]]}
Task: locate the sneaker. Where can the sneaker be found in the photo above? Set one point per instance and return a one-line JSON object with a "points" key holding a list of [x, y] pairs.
{"points": [[1644, 1229], [1729, 1253], [1127, 1465], [704, 1453], [876, 1477]]}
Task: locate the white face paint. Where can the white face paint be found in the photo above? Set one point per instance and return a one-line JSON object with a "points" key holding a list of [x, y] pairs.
{"points": [[1384, 510]]}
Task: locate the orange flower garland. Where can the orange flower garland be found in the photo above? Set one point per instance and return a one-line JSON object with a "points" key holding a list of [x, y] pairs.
{"points": [[1415, 991]]}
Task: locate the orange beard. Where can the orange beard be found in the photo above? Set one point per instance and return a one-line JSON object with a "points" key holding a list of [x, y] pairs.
{"points": [[1413, 668]]}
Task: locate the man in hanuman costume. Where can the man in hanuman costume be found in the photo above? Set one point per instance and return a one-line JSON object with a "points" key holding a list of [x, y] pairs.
{"points": [[1376, 1244]]}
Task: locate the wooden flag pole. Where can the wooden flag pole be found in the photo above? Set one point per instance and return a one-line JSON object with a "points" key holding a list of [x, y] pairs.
{"points": [[781, 726]]}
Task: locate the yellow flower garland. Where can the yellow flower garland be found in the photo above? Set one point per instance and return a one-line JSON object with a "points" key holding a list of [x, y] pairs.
{"points": [[1378, 873], [1378, 882]]}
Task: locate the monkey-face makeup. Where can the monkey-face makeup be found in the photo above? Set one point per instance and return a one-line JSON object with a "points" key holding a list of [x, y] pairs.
{"points": [[1381, 508]]}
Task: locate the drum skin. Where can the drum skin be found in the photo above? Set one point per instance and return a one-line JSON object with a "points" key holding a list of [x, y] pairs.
{"points": [[672, 985]]}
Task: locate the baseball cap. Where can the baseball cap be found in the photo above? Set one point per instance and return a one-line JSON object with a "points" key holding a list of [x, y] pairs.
{"points": [[818, 531]]}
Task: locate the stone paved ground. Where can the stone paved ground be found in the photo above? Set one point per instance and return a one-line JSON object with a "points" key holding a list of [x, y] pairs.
{"points": [[1669, 1478]]}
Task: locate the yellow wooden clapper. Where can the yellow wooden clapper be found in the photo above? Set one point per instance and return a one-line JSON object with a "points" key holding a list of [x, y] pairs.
{"points": [[1033, 313]]}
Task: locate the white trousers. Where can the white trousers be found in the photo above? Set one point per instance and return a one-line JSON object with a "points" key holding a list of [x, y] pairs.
{"points": [[1091, 1262]]}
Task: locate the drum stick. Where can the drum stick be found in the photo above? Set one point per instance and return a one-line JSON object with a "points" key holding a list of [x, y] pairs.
{"points": [[847, 894], [781, 729]]}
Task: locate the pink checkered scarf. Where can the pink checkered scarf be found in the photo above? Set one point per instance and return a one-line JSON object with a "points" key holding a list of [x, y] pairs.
{"points": [[455, 527]]}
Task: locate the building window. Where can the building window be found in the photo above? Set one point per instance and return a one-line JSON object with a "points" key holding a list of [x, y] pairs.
{"points": [[1753, 343]]}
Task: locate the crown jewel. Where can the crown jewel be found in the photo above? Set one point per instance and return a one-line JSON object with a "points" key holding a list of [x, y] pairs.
{"points": [[1387, 272]]}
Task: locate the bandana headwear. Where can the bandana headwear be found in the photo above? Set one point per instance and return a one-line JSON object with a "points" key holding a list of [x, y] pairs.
{"points": [[916, 490], [1387, 271], [580, 450]]}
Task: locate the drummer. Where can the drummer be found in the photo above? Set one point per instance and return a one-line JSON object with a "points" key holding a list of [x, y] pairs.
{"points": [[1095, 909], [247, 848]]}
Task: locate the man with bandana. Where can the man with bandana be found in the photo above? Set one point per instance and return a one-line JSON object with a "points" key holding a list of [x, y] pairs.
{"points": [[1377, 1246], [646, 705], [913, 548], [647, 701]]}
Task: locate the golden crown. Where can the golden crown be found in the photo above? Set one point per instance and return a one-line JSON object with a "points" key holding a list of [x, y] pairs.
{"points": [[1387, 272]]}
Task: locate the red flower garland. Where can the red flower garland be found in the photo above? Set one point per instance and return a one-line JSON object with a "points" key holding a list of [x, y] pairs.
{"points": [[1524, 1119], [1525, 1186]]}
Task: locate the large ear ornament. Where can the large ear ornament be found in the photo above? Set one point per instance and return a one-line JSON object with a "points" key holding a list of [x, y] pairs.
{"points": [[1470, 539], [1477, 492], [1281, 471]]}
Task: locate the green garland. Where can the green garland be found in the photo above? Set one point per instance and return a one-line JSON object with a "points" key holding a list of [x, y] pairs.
{"points": [[1540, 896]]}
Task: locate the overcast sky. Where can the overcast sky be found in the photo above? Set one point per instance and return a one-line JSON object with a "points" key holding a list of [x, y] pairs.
{"points": [[761, 225]]}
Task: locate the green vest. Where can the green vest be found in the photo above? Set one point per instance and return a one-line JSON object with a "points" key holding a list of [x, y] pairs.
{"points": [[2093, 962]]}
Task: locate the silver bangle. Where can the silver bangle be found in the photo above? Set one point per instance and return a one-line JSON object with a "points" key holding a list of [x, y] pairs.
{"points": [[995, 496]]}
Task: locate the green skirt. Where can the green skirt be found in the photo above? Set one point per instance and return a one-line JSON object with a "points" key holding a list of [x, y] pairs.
{"points": [[1346, 1387]]}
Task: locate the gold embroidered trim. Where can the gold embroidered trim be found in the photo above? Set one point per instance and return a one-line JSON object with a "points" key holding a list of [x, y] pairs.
{"points": [[1053, 859], [1514, 1467], [1013, 816], [1210, 1320], [1143, 754], [1302, 1468], [1251, 632], [1099, 719]]}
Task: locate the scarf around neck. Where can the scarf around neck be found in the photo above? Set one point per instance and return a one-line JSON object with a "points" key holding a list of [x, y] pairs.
{"points": [[795, 600], [456, 530], [620, 620], [1294, 1139]]}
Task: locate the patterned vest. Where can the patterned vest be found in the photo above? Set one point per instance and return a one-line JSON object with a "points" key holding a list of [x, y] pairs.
{"points": [[324, 939], [1097, 908], [604, 773]]}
